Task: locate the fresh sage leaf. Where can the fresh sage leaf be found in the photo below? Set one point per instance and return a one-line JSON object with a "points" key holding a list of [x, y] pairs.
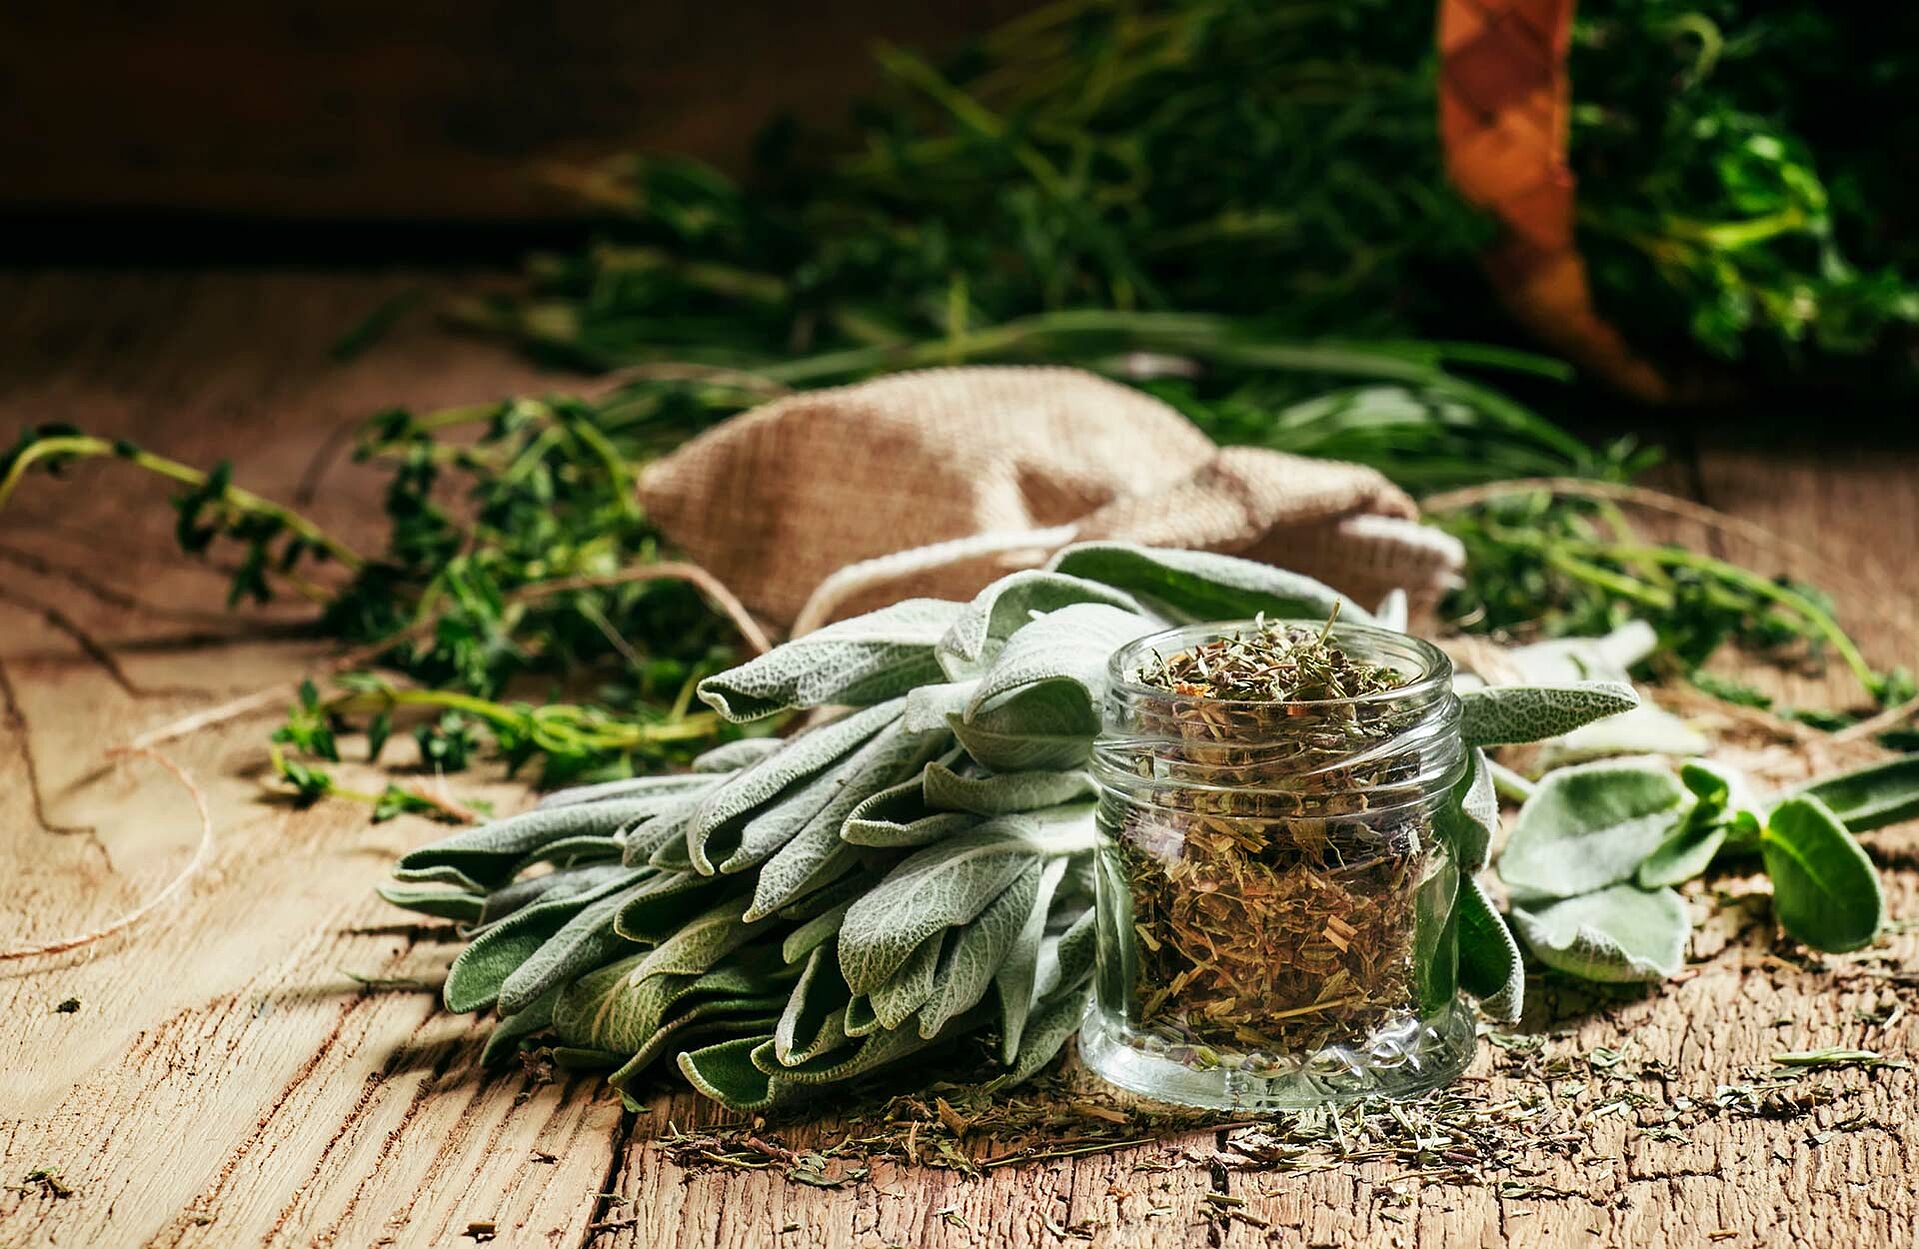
{"points": [[699, 943], [1192, 586], [488, 854], [1619, 934], [1685, 853], [948, 884], [1046, 1033], [975, 952], [1825, 891], [930, 706], [1009, 605], [584, 942], [998, 739], [1018, 975], [1647, 729], [814, 933], [474, 981], [461, 905], [906, 990], [732, 756], [804, 756], [630, 787], [1489, 963], [1590, 826], [1054, 670], [551, 886], [1501, 715], [868, 659], [1469, 818], [813, 1021], [503, 1042], [1002, 793], [898, 817]]}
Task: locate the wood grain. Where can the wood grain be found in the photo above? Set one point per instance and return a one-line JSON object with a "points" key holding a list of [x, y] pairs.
{"points": [[226, 1082]]}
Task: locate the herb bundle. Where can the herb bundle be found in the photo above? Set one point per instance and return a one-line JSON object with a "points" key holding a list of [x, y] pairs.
{"points": [[802, 912]]}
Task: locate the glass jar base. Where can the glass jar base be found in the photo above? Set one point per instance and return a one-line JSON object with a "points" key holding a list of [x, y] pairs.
{"points": [[1400, 1063]]}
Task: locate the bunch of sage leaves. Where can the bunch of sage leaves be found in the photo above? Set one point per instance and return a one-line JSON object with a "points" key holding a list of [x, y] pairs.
{"points": [[800, 912]]}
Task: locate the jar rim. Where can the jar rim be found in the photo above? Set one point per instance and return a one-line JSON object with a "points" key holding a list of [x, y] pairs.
{"points": [[1435, 667]]}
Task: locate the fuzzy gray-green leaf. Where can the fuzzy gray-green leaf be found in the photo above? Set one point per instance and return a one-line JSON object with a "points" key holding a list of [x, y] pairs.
{"points": [[1001, 793], [487, 854], [1009, 604], [805, 756], [1590, 826], [811, 1023], [1469, 818], [1018, 972], [946, 884], [856, 662], [1500, 715], [1873, 796], [907, 989], [477, 974], [584, 942], [1055, 668], [1619, 934], [974, 952], [1489, 964], [1191, 586]]}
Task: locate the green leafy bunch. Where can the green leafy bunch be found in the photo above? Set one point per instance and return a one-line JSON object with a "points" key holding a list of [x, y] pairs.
{"points": [[1734, 190], [1093, 185], [799, 912]]}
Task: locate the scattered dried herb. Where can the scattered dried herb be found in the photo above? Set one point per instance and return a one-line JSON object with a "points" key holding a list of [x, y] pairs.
{"points": [[68, 1006]]}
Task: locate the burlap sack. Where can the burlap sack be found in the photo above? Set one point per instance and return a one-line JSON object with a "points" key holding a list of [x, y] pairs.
{"points": [[832, 502]]}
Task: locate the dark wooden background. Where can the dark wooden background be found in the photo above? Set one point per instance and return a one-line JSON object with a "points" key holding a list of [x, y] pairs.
{"points": [[378, 110]]}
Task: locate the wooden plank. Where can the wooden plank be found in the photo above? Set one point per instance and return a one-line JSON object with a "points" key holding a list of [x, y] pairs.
{"points": [[224, 1081]]}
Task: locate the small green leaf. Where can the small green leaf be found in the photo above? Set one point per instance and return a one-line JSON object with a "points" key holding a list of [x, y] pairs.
{"points": [[1687, 852], [1620, 934], [857, 662], [1590, 826], [1500, 715], [1825, 890]]}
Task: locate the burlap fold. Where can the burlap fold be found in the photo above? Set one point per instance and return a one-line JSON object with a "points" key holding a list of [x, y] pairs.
{"points": [[995, 467]]}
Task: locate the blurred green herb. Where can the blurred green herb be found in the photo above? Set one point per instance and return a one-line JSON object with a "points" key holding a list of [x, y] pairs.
{"points": [[1734, 191], [1545, 565]]}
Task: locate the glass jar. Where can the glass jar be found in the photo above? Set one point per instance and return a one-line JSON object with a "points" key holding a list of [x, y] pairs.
{"points": [[1275, 905]]}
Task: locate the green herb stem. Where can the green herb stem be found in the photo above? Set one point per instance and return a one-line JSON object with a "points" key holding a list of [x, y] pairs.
{"points": [[234, 496]]}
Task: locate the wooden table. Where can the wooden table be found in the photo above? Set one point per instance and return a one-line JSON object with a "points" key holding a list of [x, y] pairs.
{"points": [[224, 1081]]}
